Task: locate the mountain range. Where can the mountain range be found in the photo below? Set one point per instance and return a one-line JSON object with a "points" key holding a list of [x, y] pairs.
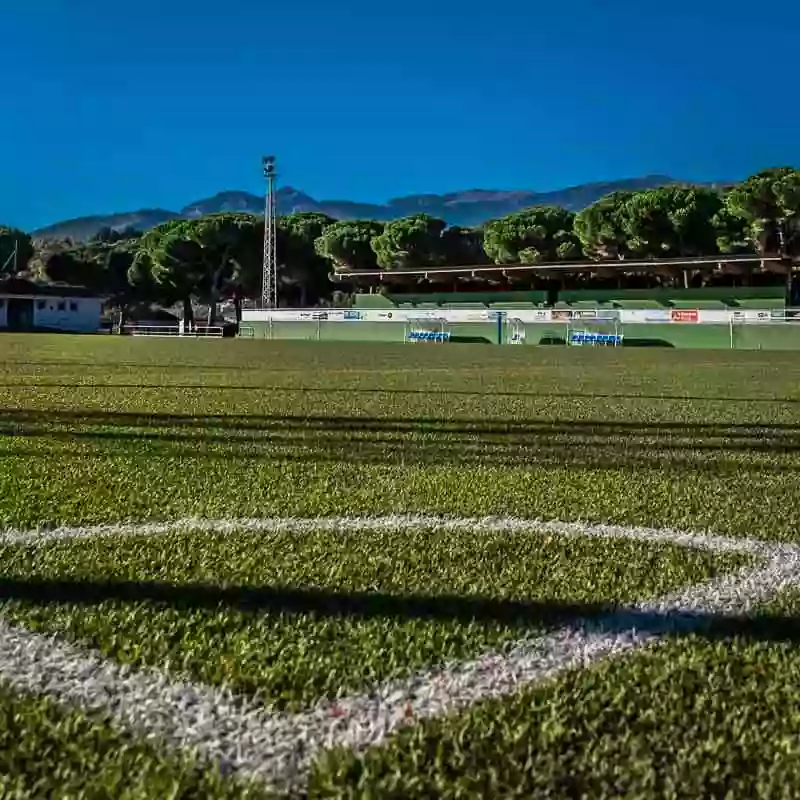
{"points": [[469, 207]]}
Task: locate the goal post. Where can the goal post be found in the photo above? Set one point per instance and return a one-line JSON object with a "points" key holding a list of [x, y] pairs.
{"points": [[516, 332], [599, 328]]}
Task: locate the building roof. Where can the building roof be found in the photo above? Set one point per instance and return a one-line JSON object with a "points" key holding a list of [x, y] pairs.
{"points": [[21, 287]]}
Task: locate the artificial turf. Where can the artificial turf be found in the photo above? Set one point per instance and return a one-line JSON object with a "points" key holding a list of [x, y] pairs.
{"points": [[295, 617], [97, 429], [50, 751], [710, 716]]}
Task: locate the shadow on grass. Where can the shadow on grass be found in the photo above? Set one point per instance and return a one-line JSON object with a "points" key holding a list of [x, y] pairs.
{"points": [[326, 603], [429, 393], [647, 343], [363, 422], [590, 444]]}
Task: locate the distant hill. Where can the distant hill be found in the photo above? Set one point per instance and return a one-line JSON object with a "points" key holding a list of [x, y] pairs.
{"points": [[469, 207]]}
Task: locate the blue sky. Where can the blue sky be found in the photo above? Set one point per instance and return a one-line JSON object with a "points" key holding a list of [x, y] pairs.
{"points": [[160, 103]]}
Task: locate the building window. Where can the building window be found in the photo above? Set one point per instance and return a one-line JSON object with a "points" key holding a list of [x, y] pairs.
{"points": [[62, 306], [73, 306], [41, 305]]}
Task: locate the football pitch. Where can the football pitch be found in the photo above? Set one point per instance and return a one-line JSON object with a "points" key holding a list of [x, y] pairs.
{"points": [[255, 569]]}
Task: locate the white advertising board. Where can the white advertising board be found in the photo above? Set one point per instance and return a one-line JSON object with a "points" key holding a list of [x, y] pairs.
{"points": [[713, 316], [530, 315], [636, 316], [644, 315]]}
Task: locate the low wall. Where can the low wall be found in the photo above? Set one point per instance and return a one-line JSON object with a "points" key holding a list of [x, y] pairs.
{"points": [[685, 328], [365, 331]]}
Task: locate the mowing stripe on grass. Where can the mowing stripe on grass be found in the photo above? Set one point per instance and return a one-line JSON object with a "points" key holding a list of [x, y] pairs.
{"points": [[279, 748], [392, 522]]}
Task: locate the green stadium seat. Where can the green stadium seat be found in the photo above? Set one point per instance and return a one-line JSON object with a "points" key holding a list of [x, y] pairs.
{"points": [[710, 305], [624, 303], [761, 303], [592, 304]]}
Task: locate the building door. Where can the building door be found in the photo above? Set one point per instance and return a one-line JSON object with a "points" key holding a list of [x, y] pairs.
{"points": [[19, 314]]}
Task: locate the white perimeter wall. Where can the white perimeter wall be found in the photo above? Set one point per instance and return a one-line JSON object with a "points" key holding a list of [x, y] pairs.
{"points": [[73, 314], [526, 315]]}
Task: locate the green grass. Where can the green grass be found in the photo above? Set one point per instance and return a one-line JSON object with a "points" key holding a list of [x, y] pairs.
{"points": [[50, 751], [698, 717], [97, 429], [292, 618], [111, 429]]}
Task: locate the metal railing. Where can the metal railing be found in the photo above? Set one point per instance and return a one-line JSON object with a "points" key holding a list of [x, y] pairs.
{"points": [[203, 331]]}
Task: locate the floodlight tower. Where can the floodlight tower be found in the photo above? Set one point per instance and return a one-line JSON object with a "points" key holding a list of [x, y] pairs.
{"points": [[269, 280]]}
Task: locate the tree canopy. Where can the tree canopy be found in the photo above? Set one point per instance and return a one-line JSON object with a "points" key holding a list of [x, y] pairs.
{"points": [[348, 244], [769, 204], [541, 233], [16, 250], [300, 266], [414, 241]]}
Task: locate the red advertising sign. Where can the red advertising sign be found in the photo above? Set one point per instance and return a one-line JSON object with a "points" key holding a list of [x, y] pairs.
{"points": [[684, 315]]}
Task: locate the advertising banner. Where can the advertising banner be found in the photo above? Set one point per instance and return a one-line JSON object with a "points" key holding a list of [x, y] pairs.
{"points": [[636, 316], [713, 316], [468, 315], [644, 315], [684, 315], [530, 314], [425, 313]]}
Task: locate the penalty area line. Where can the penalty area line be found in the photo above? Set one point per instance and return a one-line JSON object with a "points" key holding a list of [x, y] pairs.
{"points": [[278, 748], [393, 522], [366, 720]]}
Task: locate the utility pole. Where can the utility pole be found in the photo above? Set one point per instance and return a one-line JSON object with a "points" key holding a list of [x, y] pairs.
{"points": [[269, 281]]}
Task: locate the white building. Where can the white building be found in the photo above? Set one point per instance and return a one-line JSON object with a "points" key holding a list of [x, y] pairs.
{"points": [[28, 306]]}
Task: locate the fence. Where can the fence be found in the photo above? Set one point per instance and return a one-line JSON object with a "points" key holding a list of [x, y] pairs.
{"points": [[750, 329], [202, 331]]}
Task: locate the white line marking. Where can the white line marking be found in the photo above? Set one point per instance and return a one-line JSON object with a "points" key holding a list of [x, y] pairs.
{"points": [[398, 522], [365, 720], [280, 748]]}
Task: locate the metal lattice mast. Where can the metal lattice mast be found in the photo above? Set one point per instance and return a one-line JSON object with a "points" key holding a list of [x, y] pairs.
{"points": [[12, 259], [269, 282]]}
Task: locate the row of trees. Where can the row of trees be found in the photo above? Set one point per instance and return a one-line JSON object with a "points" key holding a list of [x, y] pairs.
{"points": [[760, 215], [204, 259]]}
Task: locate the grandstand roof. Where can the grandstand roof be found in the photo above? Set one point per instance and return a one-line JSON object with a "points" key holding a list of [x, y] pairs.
{"points": [[487, 270]]}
